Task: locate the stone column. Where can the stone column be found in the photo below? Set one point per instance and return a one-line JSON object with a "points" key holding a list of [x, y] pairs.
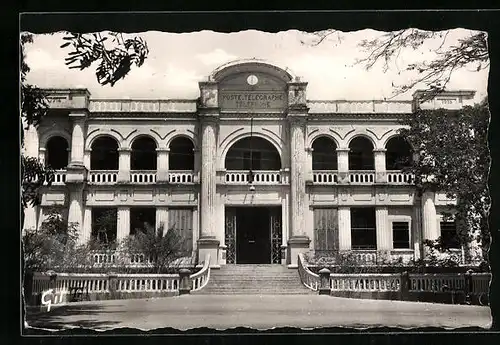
{"points": [[299, 241], [77, 138], [123, 223], [343, 164], [75, 211], [41, 155], [162, 218], [30, 218], [309, 167], [344, 219], [429, 218], [208, 242], [384, 237], [87, 226], [86, 158], [162, 164], [416, 231], [380, 168], [123, 165]]}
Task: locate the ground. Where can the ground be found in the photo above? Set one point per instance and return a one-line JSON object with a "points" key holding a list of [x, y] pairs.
{"points": [[260, 312]]}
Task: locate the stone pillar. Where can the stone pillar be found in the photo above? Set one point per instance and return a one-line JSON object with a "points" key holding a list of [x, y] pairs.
{"points": [[75, 212], [162, 218], [417, 231], [429, 218], [344, 219], [162, 156], [77, 138], [208, 242], [31, 140], [343, 164], [42, 154], [309, 167], [380, 168], [384, 237], [86, 158], [299, 241], [30, 218], [122, 223], [87, 226], [124, 165]]}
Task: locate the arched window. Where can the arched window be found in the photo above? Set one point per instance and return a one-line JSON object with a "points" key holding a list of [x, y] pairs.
{"points": [[324, 154], [181, 156], [143, 155], [399, 154], [361, 154], [253, 153], [57, 153], [104, 154]]}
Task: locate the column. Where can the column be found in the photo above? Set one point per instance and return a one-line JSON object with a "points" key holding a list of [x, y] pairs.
{"points": [[162, 218], [123, 165], [42, 154], [208, 242], [87, 226], [197, 164], [122, 223], [344, 219], [77, 138], [380, 168], [343, 164], [31, 140], [384, 237], [309, 167], [86, 158], [429, 217], [75, 212], [285, 225], [30, 218], [162, 164], [299, 241], [417, 231]]}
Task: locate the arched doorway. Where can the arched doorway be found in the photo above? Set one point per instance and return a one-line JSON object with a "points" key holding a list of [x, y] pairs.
{"points": [[57, 153], [399, 154], [361, 154]]}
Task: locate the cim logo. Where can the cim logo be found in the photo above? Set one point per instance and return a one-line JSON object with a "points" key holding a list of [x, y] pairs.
{"points": [[53, 296]]}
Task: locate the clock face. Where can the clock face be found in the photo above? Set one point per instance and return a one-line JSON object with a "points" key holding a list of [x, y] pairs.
{"points": [[252, 79]]}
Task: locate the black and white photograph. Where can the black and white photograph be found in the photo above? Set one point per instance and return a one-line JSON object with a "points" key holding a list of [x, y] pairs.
{"points": [[255, 179]]}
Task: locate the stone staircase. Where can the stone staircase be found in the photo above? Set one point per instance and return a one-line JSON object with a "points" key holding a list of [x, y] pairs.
{"points": [[254, 280]]}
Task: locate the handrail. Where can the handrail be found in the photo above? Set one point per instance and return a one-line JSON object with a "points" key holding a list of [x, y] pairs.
{"points": [[308, 278], [200, 279]]}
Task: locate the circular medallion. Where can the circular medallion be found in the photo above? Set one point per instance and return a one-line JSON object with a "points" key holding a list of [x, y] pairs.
{"points": [[252, 79]]}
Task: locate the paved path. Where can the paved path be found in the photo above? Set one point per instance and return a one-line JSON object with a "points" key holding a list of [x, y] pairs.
{"points": [[261, 312]]}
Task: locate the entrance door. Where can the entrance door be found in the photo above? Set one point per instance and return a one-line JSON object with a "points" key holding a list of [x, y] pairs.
{"points": [[253, 235]]}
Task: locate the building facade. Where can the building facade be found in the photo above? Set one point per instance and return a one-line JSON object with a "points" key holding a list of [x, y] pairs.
{"points": [[251, 172]]}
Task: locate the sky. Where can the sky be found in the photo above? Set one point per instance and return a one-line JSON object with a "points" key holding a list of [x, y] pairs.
{"points": [[178, 61]]}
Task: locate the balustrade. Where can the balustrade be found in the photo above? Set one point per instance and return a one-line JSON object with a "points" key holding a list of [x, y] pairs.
{"points": [[362, 177], [365, 282], [180, 177], [200, 279], [103, 176], [399, 177], [260, 177], [308, 278], [143, 176], [436, 282], [325, 177]]}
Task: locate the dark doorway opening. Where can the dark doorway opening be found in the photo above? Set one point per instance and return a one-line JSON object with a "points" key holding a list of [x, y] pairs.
{"points": [[253, 235]]}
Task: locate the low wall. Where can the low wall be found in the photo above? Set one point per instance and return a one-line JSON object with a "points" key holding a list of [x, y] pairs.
{"points": [[386, 295]]}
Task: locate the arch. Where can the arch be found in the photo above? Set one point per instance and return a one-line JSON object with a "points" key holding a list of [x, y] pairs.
{"points": [[252, 153], [46, 135], [96, 133], [142, 133], [399, 153], [323, 133], [247, 65], [181, 156], [324, 154], [104, 154], [237, 137], [358, 134], [181, 134], [56, 154], [143, 153], [361, 153]]}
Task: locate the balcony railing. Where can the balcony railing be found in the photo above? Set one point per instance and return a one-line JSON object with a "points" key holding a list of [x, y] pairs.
{"points": [[260, 177], [324, 177], [182, 176], [103, 176], [362, 177], [143, 176], [399, 177]]}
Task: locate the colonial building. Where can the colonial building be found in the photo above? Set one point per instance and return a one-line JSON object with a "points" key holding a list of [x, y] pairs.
{"points": [[251, 172]]}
